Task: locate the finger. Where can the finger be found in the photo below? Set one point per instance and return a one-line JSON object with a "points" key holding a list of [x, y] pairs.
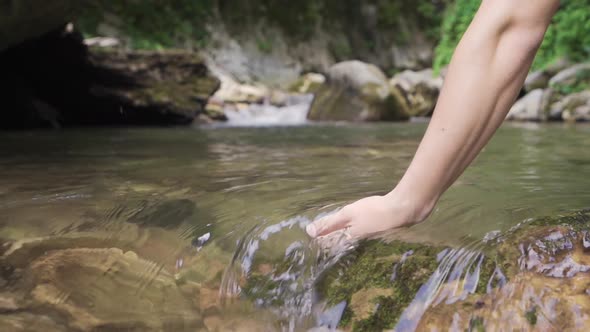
{"points": [[327, 224]]}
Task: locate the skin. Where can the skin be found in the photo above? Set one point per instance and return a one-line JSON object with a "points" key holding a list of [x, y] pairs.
{"points": [[485, 75]]}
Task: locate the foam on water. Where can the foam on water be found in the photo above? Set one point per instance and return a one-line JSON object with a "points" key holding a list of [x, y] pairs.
{"points": [[293, 113]]}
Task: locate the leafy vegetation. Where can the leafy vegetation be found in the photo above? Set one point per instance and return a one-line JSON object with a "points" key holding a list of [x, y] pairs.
{"points": [[150, 24], [153, 24], [568, 35]]}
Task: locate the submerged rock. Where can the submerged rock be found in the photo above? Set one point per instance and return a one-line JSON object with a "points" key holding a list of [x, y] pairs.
{"points": [[356, 91], [99, 288]]}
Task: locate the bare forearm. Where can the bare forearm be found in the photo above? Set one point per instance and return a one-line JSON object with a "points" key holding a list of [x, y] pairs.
{"points": [[484, 77]]}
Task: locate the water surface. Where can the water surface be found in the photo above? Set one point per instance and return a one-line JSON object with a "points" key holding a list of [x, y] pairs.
{"points": [[135, 228]]}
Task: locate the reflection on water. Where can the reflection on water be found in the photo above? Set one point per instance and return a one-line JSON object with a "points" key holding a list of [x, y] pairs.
{"points": [[141, 228]]}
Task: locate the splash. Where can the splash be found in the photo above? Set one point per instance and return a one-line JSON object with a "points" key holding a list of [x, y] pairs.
{"points": [[294, 112], [286, 285]]}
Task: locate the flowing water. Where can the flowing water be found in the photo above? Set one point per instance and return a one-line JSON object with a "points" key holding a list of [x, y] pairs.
{"points": [[142, 229]]}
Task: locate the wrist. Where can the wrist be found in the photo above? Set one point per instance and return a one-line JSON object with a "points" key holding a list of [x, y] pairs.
{"points": [[416, 207]]}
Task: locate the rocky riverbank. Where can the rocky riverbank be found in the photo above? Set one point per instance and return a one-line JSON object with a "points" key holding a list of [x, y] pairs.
{"points": [[55, 79], [560, 92]]}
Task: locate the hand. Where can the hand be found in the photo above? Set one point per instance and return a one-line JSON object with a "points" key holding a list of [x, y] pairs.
{"points": [[365, 217]]}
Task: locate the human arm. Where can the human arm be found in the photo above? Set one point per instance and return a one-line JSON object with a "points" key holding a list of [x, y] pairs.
{"points": [[484, 77]]}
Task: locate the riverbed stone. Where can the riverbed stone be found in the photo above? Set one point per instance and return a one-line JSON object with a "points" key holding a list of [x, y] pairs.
{"points": [[105, 288], [356, 91]]}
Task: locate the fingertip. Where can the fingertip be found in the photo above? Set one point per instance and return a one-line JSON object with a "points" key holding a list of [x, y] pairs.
{"points": [[311, 230]]}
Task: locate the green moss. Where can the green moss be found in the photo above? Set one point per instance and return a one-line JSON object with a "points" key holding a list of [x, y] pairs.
{"points": [[264, 45], [476, 324], [371, 266], [531, 316]]}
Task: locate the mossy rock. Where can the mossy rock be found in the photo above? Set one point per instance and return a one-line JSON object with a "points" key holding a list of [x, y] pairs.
{"points": [[419, 286], [175, 84], [356, 91]]}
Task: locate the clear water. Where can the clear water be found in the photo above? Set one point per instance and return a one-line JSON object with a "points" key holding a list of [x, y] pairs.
{"points": [[138, 228]]}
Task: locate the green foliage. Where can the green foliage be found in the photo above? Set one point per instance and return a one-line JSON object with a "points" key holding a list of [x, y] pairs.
{"points": [[151, 24], [264, 45], [457, 19], [568, 35], [365, 25]]}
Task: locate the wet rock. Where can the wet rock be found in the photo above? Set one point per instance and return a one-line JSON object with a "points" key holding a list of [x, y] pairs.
{"points": [[540, 266], [527, 108], [106, 288], [419, 90], [356, 91]]}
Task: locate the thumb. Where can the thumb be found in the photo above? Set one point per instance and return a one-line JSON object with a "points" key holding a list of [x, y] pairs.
{"points": [[327, 225]]}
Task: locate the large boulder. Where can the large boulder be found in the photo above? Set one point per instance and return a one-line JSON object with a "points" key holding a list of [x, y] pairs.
{"points": [[172, 85], [534, 276], [419, 89], [56, 80], [92, 288], [356, 91], [418, 287]]}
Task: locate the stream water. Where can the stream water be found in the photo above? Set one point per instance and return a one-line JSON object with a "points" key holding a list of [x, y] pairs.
{"points": [[142, 229]]}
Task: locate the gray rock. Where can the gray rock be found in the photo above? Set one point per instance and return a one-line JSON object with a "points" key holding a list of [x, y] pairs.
{"points": [[536, 80], [574, 107], [569, 75], [527, 108], [419, 89], [356, 91]]}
